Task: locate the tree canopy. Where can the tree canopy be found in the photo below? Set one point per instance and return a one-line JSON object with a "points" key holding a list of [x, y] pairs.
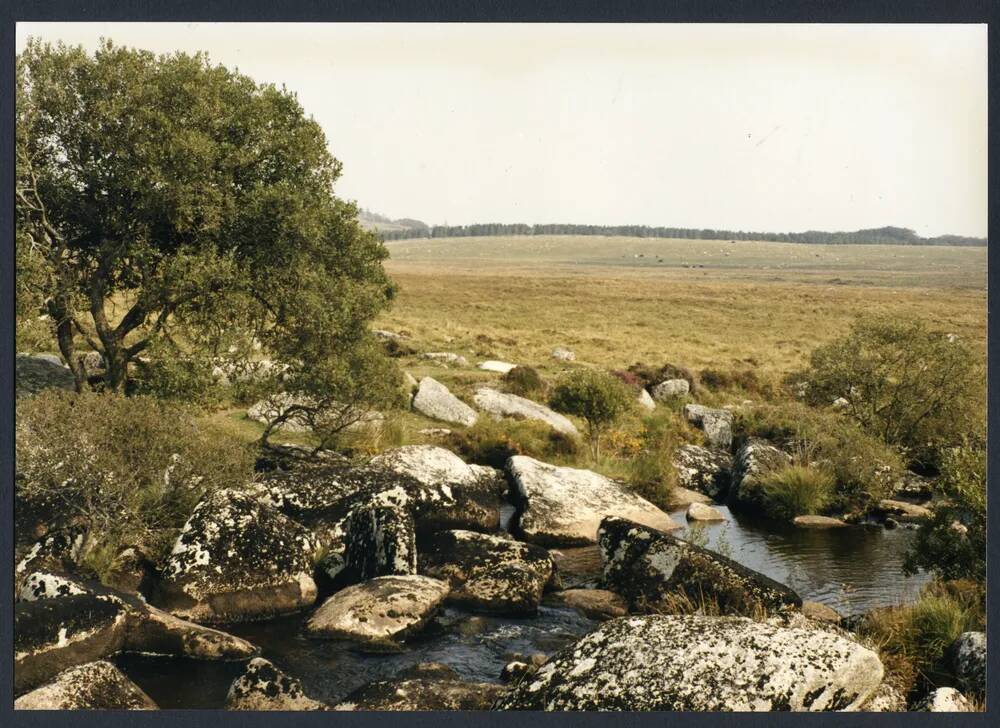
{"points": [[163, 199]]}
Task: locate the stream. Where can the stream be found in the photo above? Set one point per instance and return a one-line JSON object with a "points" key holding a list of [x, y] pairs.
{"points": [[852, 569]]}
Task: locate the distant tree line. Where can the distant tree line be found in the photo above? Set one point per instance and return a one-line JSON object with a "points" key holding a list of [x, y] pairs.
{"points": [[884, 235]]}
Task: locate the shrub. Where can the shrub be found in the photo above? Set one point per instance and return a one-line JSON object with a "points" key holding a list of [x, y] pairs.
{"points": [[172, 375], [491, 442], [953, 544], [863, 468], [597, 397], [795, 490], [630, 378], [912, 387], [129, 469], [524, 381], [746, 380], [915, 637], [650, 376]]}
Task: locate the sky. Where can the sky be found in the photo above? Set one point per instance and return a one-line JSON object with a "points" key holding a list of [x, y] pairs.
{"points": [[770, 128]]}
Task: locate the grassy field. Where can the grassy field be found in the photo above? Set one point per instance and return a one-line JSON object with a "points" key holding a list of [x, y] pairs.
{"points": [[754, 305]]}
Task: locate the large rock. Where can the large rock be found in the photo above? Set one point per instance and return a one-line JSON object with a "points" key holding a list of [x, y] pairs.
{"points": [[32, 374], [754, 459], [52, 635], [944, 700], [695, 663], [92, 686], [968, 659], [262, 686], [504, 404], [422, 694], [500, 367], [903, 511], [652, 569], [703, 469], [814, 521], [435, 401], [717, 424], [488, 573], [886, 699], [58, 551], [446, 357], [669, 389], [646, 401], [379, 614], [237, 560], [564, 506], [702, 512], [48, 585], [380, 541]]}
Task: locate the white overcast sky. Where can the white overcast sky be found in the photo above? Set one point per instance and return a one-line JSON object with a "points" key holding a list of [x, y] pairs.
{"points": [[752, 127]]}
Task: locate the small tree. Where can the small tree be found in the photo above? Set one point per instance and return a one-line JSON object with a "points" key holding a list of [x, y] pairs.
{"points": [[599, 398], [165, 198], [914, 388]]}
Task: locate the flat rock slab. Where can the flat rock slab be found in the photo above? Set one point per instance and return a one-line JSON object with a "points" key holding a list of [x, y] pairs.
{"points": [[446, 357], [500, 367], [702, 512], [488, 573], [684, 497], [93, 686], [818, 522], [264, 687], [599, 604], [695, 663], [564, 506], [504, 404], [380, 613], [420, 694], [904, 511], [434, 400], [32, 374], [651, 569], [237, 560]]}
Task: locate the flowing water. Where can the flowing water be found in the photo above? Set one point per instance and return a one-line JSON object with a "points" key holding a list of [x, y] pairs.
{"points": [[852, 569]]}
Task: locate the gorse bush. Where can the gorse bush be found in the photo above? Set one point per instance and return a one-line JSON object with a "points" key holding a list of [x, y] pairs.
{"points": [[863, 468], [598, 397], [524, 381], [953, 543], [912, 387], [492, 442], [128, 469], [796, 490]]}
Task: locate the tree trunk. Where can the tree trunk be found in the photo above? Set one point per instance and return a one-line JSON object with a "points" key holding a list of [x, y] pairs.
{"points": [[59, 312]]}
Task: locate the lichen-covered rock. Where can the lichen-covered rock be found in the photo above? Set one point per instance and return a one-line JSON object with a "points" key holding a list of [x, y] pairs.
{"points": [[237, 560], [651, 569], [703, 469], [646, 401], [564, 506], [702, 512], [380, 613], [695, 663], [886, 699], [599, 604], [58, 551], [93, 686], [130, 571], [504, 404], [152, 631], [446, 357], [968, 659], [435, 401], [716, 423], [944, 700], [420, 694], [670, 388], [264, 687], [488, 573], [913, 486], [561, 353], [49, 585], [52, 635], [515, 670], [379, 541], [32, 374], [755, 458]]}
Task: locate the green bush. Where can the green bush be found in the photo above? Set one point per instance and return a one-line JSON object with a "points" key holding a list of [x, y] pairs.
{"points": [[918, 389], [129, 469], [170, 374], [795, 490], [953, 544], [598, 397], [524, 381], [745, 380], [492, 442], [913, 639], [864, 468], [650, 376]]}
